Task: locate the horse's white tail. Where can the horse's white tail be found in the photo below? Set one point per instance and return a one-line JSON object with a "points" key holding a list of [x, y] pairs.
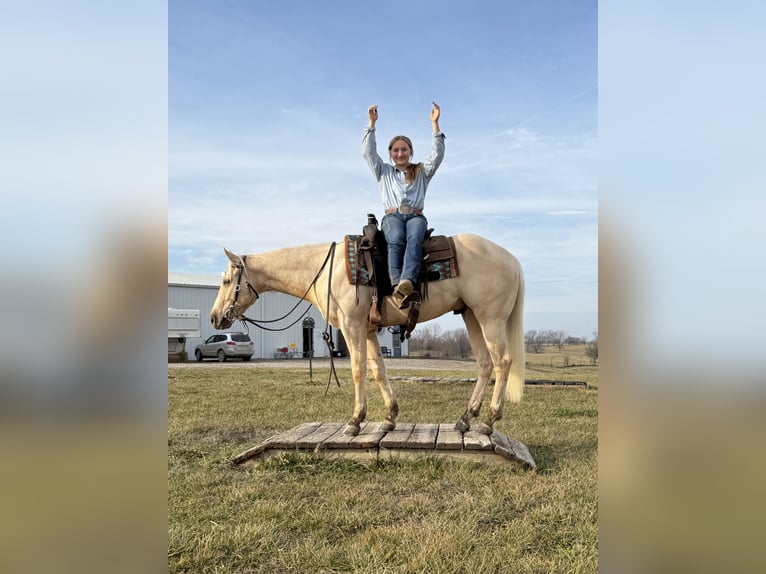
{"points": [[514, 388]]}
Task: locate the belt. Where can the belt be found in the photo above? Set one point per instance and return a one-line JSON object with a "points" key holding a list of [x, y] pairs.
{"points": [[405, 210]]}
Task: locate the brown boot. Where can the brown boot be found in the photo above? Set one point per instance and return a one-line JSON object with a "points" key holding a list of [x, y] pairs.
{"points": [[403, 290]]}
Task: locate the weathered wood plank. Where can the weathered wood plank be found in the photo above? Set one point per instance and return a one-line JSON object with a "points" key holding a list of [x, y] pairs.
{"points": [[423, 436], [280, 440], [473, 440], [397, 437], [369, 437], [288, 438], [512, 449], [318, 436], [335, 440], [407, 441], [339, 440], [448, 438], [250, 453]]}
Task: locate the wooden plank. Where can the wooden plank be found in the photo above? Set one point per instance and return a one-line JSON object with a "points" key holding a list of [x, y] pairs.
{"points": [[512, 449], [339, 440], [284, 439], [250, 453], [369, 436], [335, 440], [318, 436], [473, 440], [397, 437], [423, 436], [407, 441], [448, 438], [288, 438]]}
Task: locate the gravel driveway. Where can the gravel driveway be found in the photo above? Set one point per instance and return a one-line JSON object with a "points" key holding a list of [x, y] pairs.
{"points": [[402, 363]]}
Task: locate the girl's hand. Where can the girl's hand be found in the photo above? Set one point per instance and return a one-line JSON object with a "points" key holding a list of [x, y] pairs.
{"points": [[372, 113], [435, 113]]}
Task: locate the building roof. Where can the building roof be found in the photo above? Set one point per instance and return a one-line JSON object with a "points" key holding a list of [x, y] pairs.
{"points": [[193, 280]]}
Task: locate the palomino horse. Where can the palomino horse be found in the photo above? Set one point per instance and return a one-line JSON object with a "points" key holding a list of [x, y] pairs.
{"points": [[489, 292]]}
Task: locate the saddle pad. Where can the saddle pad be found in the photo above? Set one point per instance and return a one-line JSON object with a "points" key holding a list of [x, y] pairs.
{"points": [[440, 259], [356, 270]]}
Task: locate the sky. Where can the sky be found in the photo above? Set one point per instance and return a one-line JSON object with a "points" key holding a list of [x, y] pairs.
{"points": [[267, 104]]}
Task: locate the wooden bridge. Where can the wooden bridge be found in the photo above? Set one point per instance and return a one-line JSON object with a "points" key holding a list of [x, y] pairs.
{"points": [[407, 440]]}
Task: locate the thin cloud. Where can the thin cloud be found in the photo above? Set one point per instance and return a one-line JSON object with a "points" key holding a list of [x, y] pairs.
{"points": [[267, 110]]}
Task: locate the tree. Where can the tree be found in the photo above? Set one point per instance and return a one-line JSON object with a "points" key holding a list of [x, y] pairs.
{"points": [[426, 338], [430, 340], [591, 349], [557, 338], [456, 344], [533, 341]]}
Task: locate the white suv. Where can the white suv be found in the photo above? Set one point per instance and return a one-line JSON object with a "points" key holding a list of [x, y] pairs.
{"points": [[224, 346]]}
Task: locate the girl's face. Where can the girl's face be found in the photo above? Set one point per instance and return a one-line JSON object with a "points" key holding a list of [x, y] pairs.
{"points": [[400, 154]]}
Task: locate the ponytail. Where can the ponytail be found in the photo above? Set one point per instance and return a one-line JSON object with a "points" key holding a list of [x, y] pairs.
{"points": [[412, 172]]}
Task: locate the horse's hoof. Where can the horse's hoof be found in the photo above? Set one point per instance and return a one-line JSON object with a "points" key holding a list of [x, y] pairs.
{"points": [[351, 430], [387, 425], [484, 428], [462, 426]]}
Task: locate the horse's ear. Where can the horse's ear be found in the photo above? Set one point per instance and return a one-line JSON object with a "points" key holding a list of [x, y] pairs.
{"points": [[233, 258]]}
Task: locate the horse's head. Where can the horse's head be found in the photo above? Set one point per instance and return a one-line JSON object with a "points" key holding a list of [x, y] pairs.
{"points": [[235, 295]]}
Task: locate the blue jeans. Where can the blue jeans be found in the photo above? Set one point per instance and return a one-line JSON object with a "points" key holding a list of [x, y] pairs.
{"points": [[404, 234]]}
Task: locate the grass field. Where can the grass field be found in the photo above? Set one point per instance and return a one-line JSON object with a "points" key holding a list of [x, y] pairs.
{"points": [[552, 356], [303, 514]]}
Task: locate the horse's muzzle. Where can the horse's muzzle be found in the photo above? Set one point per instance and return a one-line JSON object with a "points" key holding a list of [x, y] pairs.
{"points": [[222, 323]]}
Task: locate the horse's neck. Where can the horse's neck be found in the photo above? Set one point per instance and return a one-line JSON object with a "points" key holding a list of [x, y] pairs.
{"points": [[290, 270]]}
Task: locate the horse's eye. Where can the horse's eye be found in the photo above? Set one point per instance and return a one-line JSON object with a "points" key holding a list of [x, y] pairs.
{"points": [[226, 281]]}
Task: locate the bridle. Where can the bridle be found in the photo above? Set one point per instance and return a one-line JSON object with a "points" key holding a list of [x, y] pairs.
{"points": [[231, 314]]}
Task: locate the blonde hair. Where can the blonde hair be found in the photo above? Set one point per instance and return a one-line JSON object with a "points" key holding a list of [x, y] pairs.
{"points": [[412, 169]]}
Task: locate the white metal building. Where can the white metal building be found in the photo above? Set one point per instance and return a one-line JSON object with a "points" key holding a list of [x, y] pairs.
{"points": [[187, 291]]}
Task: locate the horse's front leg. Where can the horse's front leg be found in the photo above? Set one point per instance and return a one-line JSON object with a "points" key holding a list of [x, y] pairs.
{"points": [[356, 340], [378, 369]]}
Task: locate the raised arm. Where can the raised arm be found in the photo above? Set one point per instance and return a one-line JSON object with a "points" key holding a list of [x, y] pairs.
{"points": [[434, 160], [435, 113], [369, 146]]}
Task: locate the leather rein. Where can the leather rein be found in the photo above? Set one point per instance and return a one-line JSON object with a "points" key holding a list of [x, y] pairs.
{"points": [[260, 323]]}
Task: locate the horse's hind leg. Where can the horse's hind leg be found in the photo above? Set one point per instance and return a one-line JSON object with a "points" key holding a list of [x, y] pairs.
{"points": [[378, 370], [495, 336], [484, 362]]}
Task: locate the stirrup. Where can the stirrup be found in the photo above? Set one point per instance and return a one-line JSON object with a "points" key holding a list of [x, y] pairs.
{"points": [[404, 288]]}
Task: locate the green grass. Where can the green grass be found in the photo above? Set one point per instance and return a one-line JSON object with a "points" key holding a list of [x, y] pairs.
{"points": [[301, 513]]}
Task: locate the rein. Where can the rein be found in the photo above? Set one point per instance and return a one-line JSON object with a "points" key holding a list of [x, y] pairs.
{"points": [[325, 334]]}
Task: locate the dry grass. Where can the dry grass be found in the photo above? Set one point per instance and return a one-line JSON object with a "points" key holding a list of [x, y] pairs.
{"points": [[566, 357], [305, 514]]}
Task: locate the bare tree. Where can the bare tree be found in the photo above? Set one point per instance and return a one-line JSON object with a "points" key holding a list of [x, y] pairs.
{"points": [[455, 343], [426, 338], [557, 338], [430, 340], [591, 349], [533, 340]]}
